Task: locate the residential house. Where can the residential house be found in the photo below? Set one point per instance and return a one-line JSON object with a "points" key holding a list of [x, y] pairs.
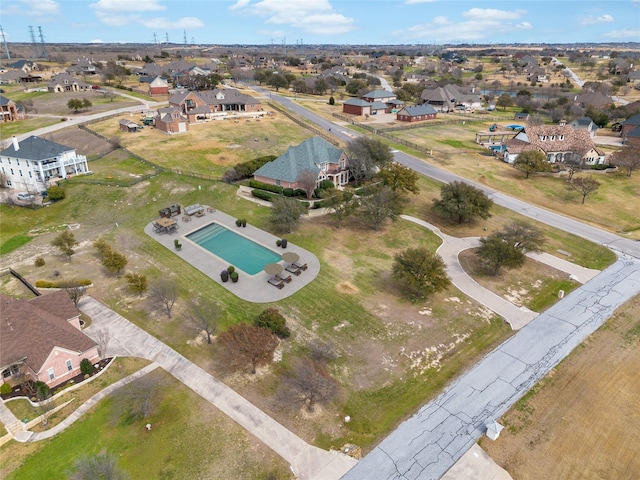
{"points": [[628, 125], [171, 120], [556, 142], [82, 66], [10, 110], [356, 106], [25, 65], [593, 99], [11, 76], [585, 123], [41, 339], [314, 154], [63, 82], [34, 162], [207, 104], [158, 86], [372, 103], [633, 139], [447, 98], [417, 113]]}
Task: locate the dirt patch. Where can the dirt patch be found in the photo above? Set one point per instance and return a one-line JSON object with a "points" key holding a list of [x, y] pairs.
{"points": [[347, 287], [582, 420]]}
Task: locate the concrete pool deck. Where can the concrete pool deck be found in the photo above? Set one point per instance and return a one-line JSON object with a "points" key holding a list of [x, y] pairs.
{"points": [[252, 288]]}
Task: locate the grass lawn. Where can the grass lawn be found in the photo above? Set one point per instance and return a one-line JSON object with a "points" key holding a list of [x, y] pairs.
{"points": [[174, 448], [24, 126]]}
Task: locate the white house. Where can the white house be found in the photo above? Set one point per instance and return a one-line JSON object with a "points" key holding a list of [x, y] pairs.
{"points": [[34, 162]]}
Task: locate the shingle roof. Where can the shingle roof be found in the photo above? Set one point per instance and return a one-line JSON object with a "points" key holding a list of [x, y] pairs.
{"points": [[633, 120], [417, 110], [210, 97], [30, 329], [4, 101], [379, 94], [297, 159], [36, 148], [358, 102]]}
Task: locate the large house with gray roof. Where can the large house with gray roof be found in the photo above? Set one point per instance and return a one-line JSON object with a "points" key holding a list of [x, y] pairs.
{"points": [[34, 162], [207, 104], [316, 155]]}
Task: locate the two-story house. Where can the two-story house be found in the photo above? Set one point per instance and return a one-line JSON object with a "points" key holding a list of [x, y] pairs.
{"points": [[33, 162]]}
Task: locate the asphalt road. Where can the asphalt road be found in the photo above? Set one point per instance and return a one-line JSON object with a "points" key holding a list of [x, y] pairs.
{"points": [[428, 444]]}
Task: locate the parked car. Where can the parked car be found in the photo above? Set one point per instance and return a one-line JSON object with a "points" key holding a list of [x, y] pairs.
{"points": [[25, 196]]}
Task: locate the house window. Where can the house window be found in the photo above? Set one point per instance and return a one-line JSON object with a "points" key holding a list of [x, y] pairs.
{"points": [[30, 176], [69, 365], [17, 162], [9, 160], [12, 171], [20, 172], [561, 137], [9, 372], [51, 374]]}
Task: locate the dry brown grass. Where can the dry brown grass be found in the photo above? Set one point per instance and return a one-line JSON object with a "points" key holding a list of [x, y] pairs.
{"points": [[582, 421]]}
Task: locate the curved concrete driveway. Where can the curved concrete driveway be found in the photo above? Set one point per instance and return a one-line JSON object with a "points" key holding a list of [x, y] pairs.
{"points": [[126, 339], [516, 316]]}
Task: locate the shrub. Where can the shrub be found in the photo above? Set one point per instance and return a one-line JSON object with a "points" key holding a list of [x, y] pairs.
{"points": [[326, 185], [5, 389], [332, 101], [265, 186], [231, 269], [44, 284], [238, 222], [287, 192], [262, 195], [298, 192], [42, 390], [39, 262], [102, 246], [55, 193], [272, 319], [233, 276], [86, 367], [278, 242], [246, 169], [137, 282], [80, 282]]}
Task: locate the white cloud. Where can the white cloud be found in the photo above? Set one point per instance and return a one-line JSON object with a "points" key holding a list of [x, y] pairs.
{"points": [[590, 20], [315, 16], [120, 6], [478, 25], [413, 2], [623, 34], [184, 22], [32, 8]]}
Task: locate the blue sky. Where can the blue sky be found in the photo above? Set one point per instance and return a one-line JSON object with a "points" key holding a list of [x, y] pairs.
{"points": [[322, 21]]}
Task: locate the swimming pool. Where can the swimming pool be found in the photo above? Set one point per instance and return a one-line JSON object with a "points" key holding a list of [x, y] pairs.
{"points": [[234, 249]]}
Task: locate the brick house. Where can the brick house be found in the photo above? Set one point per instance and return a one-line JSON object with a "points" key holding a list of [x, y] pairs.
{"points": [[10, 110], [158, 86], [372, 103], [629, 125], [41, 339], [171, 120], [314, 154], [417, 113]]}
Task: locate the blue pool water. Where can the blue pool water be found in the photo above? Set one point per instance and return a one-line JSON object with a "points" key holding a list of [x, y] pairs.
{"points": [[234, 249]]}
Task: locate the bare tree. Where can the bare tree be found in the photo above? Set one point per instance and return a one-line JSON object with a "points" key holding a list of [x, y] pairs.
{"points": [[307, 179], [165, 291], [75, 291], [102, 338], [310, 382], [101, 466], [244, 345], [584, 186], [137, 399], [627, 158], [203, 314], [573, 162]]}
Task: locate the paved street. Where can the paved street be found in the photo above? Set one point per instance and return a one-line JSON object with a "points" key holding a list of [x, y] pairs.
{"points": [[429, 443]]}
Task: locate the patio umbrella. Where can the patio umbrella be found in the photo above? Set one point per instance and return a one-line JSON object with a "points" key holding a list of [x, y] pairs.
{"points": [[290, 257], [273, 268]]}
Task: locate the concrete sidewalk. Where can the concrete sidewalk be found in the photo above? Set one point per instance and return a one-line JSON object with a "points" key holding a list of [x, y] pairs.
{"points": [[126, 339]]}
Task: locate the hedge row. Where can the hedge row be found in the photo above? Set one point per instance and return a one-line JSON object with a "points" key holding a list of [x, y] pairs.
{"points": [[265, 186], [263, 195], [82, 282], [246, 169]]}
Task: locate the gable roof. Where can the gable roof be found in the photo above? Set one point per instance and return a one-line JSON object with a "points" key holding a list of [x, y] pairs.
{"points": [[4, 101], [358, 102], [578, 141], [35, 148], [632, 120], [379, 94], [31, 329], [297, 159]]}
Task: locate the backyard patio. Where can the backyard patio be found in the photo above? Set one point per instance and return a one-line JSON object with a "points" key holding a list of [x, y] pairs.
{"points": [[257, 287]]}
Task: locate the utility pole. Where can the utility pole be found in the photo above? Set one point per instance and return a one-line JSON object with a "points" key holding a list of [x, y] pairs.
{"points": [[155, 38], [166, 37], [42, 44], [4, 40], [33, 42]]}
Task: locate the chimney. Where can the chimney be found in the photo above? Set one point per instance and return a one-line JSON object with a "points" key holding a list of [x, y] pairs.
{"points": [[16, 145]]}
